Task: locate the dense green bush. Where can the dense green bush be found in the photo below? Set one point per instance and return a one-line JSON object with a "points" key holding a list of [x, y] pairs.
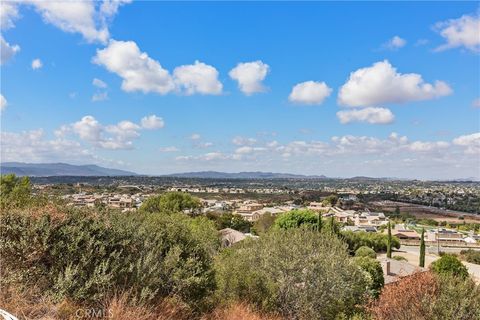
{"points": [[299, 272], [376, 241], [365, 252], [171, 202], [85, 257], [374, 273], [297, 218], [230, 220], [449, 264]]}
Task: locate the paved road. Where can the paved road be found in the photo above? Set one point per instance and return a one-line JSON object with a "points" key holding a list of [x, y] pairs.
{"points": [[412, 254]]}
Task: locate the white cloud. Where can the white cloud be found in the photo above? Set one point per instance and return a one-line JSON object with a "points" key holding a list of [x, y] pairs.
{"points": [[100, 96], [244, 150], [152, 122], [138, 71], [310, 92], [395, 43], [7, 50], [370, 115], [37, 64], [421, 146], [32, 146], [99, 83], [381, 83], [8, 14], [169, 149], [142, 73], [195, 136], [249, 76], [240, 141], [461, 32], [3, 102], [84, 17], [476, 103], [197, 78], [116, 136], [471, 142]]}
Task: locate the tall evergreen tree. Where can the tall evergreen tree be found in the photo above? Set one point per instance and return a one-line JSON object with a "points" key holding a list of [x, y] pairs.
{"points": [[389, 241], [422, 249]]}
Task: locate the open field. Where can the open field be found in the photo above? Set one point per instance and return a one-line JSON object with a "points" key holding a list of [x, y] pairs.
{"points": [[426, 212]]}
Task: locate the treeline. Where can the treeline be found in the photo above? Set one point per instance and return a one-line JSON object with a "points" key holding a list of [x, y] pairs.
{"points": [[165, 261]]}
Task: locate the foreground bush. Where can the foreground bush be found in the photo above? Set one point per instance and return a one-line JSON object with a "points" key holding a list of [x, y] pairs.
{"points": [[86, 258], [374, 273], [297, 218], [449, 264], [376, 241], [365, 252], [429, 297], [471, 256], [299, 273]]}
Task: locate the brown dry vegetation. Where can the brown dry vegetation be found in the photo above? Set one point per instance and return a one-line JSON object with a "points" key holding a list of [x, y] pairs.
{"points": [[32, 305]]}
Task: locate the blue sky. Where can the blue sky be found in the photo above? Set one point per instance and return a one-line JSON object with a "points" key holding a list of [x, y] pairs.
{"points": [[341, 89]]}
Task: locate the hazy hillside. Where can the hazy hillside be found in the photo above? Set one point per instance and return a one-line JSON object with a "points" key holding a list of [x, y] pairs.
{"points": [[59, 169], [243, 175]]}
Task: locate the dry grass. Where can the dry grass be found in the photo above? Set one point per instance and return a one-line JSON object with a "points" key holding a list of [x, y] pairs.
{"points": [[30, 305]]}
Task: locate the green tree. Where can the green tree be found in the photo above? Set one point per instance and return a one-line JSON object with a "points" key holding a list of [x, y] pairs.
{"points": [[448, 264], [422, 249], [297, 218], [319, 222], [303, 275], [14, 191], [389, 241], [331, 200], [171, 202]]}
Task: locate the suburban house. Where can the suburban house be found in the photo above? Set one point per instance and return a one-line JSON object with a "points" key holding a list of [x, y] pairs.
{"points": [[370, 219], [248, 211]]}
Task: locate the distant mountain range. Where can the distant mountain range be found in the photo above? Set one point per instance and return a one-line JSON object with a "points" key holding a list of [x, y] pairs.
{"points": [[59, 169], [243, 175]]}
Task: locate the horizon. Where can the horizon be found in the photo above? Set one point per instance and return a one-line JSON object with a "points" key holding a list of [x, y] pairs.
{"points": [[199, 87]]}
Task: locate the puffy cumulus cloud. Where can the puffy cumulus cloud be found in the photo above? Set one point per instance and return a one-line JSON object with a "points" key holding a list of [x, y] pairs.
{"points": [[99, 83], [381, 83], [470, 142], [33, 146], [138, 71], [152, 122], [395, 43], [370, 115], [37, 64], [197, 78], [421, 146], [3, 102], [7, 51], [142, 73], [249, 76], [115, 136], [169, 149], [89, 18], [240, 141], [8, 14], [310, 92], [461, 32]]}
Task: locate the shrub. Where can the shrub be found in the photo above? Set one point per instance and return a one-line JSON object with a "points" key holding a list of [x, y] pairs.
{"points": [[376, 241], [365, 252], [449, 265], [471, 256], [86, 258], [171, 202], [297, 218], [300, 273], [399, 258], [374, 273], [229, 220], [427, 296]]}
